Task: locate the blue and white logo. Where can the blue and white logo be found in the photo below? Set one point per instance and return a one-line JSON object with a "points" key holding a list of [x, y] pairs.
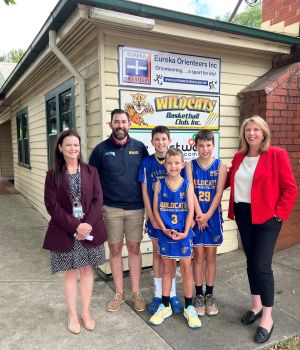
{"points": [[136, 67]]}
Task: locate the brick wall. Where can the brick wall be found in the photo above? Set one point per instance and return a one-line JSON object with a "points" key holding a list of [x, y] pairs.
{"points": [[281, 10], [281, 16], [276, 98]]}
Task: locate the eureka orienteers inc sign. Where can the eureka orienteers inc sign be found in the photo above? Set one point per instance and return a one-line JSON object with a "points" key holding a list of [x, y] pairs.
{"points": [[168, 70]]}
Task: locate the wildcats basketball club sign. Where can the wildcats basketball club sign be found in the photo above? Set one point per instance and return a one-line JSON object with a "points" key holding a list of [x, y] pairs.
{"points": [[168, 70]]}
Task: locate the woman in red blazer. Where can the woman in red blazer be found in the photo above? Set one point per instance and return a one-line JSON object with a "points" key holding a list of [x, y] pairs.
{"points": [[263, 193], [76, 232]]}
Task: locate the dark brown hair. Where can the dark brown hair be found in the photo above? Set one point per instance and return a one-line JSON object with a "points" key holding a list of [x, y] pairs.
{"points": [[160, 129], [58, 158], [205, 135], [117, 111]]}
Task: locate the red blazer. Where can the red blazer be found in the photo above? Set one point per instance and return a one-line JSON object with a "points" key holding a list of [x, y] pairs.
{"points": [[274, 189], [62, 225]]}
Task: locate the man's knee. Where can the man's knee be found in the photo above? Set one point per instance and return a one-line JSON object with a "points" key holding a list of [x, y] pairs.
{"points": [[133, 247], [115, 249]]}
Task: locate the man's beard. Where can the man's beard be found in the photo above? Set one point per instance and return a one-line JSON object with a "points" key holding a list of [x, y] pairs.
{"points": [[120, 136]]}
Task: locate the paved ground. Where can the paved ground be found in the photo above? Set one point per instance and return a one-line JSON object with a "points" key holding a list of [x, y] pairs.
{"points": [[33, 313]]}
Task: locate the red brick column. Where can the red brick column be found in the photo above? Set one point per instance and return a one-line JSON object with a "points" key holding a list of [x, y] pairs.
{"points": [[281, 10], [276, 98]]}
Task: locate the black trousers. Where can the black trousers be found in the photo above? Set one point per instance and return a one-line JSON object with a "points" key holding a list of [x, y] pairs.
{"points": [[258, 241]]}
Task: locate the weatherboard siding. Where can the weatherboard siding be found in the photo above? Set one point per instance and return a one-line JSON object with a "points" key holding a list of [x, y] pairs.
{"points": [[96, 58], [237, 71]]}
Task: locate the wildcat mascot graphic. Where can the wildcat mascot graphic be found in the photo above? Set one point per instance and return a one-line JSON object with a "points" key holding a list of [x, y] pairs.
{"points": [[138, 108]]}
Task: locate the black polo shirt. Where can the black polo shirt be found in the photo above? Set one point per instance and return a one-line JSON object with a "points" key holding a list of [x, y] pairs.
{"points": [[118, 168]]}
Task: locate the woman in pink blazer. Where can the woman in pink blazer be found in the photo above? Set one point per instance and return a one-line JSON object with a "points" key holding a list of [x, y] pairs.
{"points": [[263, 193], [76, 232]]}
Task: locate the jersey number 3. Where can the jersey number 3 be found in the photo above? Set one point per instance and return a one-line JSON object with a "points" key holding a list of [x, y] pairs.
{"points": [[174, 219]]}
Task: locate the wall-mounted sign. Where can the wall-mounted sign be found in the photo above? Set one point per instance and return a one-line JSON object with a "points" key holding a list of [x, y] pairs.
{"points": [[168, 70], [182, 139], [176, 111]]}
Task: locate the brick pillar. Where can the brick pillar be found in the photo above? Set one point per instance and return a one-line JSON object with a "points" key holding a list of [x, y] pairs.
{"points": [[281, 16], [276, 98]]}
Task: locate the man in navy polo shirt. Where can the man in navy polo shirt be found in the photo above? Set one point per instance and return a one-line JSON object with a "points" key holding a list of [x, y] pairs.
{"points": [[117, 160]]}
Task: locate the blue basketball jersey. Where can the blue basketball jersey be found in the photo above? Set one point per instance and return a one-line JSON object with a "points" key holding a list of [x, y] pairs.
{"points": [[173, 205], [151, 169], [205, 187], [173, 210]]}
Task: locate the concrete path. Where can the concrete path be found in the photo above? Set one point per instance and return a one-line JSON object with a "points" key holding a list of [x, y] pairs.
{"points": [[33, 312]]}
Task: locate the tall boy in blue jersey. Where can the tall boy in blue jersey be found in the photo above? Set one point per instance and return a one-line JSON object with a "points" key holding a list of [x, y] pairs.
{"points": [[208, 176], [173, 207], [152, 169]]}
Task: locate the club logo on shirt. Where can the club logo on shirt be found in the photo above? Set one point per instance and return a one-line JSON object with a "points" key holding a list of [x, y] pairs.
{"points": [[213, 173], [184, 250], [182, 194], [113, 154]]}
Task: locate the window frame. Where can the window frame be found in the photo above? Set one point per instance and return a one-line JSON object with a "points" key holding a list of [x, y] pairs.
{"points": [[20, 131], [56, 94]]}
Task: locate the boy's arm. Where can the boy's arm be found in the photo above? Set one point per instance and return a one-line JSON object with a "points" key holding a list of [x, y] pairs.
{"points": [[189, 175], [189, 219], [161, 224], [218, 196], [148, 207]]}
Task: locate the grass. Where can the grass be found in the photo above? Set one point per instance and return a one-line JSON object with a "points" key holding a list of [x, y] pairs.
{"points": [[292, 343]]}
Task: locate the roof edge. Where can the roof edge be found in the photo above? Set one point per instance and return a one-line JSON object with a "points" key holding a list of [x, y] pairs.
{"points": [[138, 9]]}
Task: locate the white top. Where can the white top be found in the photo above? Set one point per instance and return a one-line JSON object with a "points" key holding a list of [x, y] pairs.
{"points": [[243, 180]]}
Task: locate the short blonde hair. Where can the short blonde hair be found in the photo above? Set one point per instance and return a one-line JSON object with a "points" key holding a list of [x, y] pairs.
{"points": [[174, 152], [261, 123]]}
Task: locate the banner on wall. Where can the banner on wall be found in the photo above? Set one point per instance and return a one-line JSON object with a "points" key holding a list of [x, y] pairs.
{"points": [[176, 111], [181, 139], [168, 70]]}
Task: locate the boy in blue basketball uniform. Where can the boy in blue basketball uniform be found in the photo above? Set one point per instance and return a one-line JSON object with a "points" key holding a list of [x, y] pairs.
{"points": [[153, 168], [208, 176], [173, 207]]}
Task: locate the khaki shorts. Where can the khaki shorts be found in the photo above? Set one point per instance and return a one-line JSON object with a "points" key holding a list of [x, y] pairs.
{"points": [[120, 223]]}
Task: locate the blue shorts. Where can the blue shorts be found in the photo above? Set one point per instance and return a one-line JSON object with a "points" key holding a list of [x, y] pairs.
{"points": [[150, 230], [175, 249], [211, 236]]}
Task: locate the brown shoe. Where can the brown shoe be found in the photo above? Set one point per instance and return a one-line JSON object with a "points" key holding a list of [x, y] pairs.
{"points": [[211, 308], [138, 302], [116, 302], [199, 304]]}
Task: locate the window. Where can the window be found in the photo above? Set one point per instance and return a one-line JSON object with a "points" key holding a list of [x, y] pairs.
{"points": [[60, 113], [22, 137]]}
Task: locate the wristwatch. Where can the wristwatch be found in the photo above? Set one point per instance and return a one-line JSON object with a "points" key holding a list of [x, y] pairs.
{"points": [[277, 218]]}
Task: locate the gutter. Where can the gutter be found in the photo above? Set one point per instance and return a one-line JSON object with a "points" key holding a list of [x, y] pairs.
{"points": [[82, 91], [138, 9]]}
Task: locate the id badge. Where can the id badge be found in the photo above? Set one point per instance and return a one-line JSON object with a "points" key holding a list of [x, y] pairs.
{"points": [[77, 211]]}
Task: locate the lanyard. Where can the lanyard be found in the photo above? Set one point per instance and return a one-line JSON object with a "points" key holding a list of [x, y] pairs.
{"points": [[75, 186]]}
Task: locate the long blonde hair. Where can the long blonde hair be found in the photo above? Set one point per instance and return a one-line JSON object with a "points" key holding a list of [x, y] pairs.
{"points": [[261, 123]]}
